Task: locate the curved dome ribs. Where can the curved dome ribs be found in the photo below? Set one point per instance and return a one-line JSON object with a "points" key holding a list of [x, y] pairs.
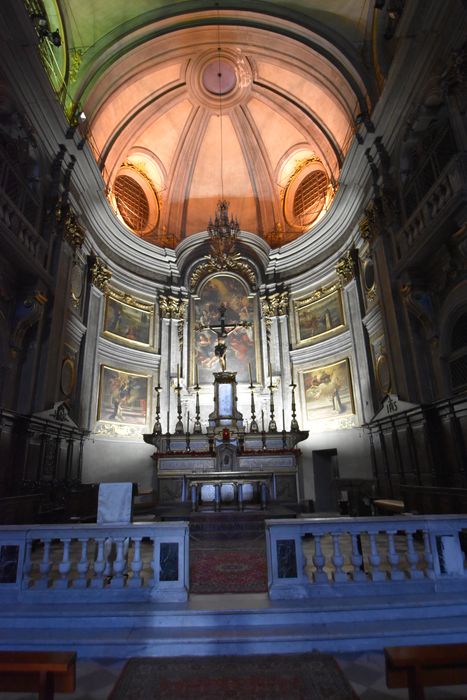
{"points": [[134, 122], [260, 169], [147, 95]]}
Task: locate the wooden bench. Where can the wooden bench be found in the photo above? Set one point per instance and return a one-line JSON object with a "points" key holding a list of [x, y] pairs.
{"points": [[416, 667], [42, 671]]}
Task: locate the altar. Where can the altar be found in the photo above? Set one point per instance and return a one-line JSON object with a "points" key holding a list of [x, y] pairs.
{"points": [[227, 467]]}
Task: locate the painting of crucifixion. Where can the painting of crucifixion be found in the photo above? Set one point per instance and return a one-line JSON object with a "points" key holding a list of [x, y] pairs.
{"points": [[224, 329]]}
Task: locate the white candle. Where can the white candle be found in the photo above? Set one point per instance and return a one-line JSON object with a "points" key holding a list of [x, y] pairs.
{"points": [[178, 374], [262, 420], [249, 370], [168, 420], [283, 420], [197, 376], [188, 422]]}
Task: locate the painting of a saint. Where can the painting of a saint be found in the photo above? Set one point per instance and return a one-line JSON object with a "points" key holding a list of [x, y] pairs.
{"points": [[123, 397], [223, 328], [328, 394], [127, 323], [319, 318]]}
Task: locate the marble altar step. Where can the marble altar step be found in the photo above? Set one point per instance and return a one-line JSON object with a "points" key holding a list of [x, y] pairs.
{"points": [[236, 625]]}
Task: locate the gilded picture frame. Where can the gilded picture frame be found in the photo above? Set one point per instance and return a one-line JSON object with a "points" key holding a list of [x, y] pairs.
{"points": [[328, 396], [319, 316], [128, 320], [240, 319], [124, 397]]}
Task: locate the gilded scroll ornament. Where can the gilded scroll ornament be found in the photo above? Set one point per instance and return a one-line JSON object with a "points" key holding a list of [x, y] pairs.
{"points": [[345, 267], [74, 233], [100, 275]]}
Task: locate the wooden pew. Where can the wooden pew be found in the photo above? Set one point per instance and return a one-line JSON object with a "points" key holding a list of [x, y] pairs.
{"points": [[42, 671], [416, 667]]}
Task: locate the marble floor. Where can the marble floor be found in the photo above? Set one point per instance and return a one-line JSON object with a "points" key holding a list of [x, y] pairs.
{"points": [[365, 671]]}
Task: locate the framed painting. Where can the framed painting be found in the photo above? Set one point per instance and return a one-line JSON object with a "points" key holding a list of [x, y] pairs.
{"points": [[128, 320], [319, 316], [224, 299], [329, 396], [123, 396]]}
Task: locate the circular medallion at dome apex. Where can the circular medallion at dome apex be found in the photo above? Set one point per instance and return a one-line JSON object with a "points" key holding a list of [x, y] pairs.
{"points": [[219, 77]]}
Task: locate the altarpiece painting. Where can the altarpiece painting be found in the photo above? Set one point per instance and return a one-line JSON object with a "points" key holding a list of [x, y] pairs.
{"points": [[224, 296]]}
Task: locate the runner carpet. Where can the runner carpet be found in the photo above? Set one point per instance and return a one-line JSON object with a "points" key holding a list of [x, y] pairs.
{"points": [[274, 677]]}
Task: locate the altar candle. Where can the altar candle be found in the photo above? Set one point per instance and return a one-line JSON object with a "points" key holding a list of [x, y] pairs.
{"points": [[262, 420], [188, 422], [178, 375], [249, 370], [283, 420], [197, 376], [168, 420], [270, 372]]}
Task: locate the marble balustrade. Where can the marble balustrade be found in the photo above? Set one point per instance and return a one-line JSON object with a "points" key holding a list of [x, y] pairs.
{"points": [[365, 556], [94, 562]]}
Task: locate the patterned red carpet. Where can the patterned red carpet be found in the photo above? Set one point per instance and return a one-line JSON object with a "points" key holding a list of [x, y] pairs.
{"points": [[239, 568], [284, 677]]}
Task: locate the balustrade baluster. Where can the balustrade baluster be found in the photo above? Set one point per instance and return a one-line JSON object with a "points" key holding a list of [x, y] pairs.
{"points": [[136, 566], [428, 555], [45, 565], [338, 559], [395, 573], [97, 580], [318, 561], [375, 560], [65, 566], [412, 557], [118, 568], [357, 560], [155, 565], [82, 566], [27, 568]]}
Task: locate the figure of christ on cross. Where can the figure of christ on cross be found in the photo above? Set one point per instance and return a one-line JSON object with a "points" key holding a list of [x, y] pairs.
{"points": [[223, 330]]}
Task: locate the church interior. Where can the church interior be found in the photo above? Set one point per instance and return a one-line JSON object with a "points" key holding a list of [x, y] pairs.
{"points": [[233, 308]]}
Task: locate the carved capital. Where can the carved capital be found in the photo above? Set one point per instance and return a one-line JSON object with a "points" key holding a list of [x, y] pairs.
{"points": [[100, 274], [172, 307], [275, 304], [345, 267]]}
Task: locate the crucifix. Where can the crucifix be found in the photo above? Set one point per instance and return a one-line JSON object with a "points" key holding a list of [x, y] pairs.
{"points": [[223, 330]]}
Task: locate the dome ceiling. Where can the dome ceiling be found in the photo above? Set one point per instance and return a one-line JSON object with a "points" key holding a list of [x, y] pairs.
{"points": [[246, 106]]}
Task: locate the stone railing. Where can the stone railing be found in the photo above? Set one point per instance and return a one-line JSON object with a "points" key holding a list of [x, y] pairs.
{"points": [[440, 198], [104, 563], [365, 556]]}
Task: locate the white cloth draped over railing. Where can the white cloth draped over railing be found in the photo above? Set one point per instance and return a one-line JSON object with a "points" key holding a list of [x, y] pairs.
{"points": [[95, 562], [365, 556]]}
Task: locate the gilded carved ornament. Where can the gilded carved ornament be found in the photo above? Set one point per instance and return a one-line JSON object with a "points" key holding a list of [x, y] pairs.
{"points": [[232, 263], [100, 275], [172, 307], [125, 298], [317, 294], [276, 304], [345, 268], [74, 233]]}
